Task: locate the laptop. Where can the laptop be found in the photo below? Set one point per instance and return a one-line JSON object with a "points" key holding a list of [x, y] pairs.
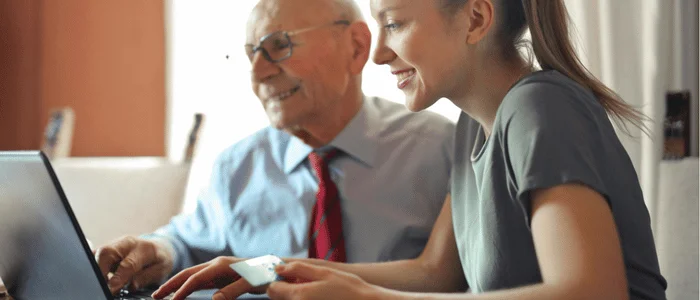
{"points": [[43, 251]]}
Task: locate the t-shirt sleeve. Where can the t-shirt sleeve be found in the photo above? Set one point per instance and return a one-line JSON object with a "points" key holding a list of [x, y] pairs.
{"points": [[551, 137]]}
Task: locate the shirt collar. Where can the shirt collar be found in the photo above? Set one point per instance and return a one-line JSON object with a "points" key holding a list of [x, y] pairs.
{"points": [[356, 140]]}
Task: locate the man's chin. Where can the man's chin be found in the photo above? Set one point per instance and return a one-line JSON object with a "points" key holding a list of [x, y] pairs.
{"points": [[277, 121], [277, 126], [282, 125], [286, 122]]}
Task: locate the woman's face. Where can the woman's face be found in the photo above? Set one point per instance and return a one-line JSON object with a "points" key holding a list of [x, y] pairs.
{"points": [[423, 48]]}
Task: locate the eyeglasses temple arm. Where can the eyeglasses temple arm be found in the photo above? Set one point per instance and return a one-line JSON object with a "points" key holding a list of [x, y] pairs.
{"points": [[339, 22]]}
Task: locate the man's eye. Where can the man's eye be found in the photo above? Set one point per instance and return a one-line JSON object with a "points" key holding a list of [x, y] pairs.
{"points": [[279, 44]]}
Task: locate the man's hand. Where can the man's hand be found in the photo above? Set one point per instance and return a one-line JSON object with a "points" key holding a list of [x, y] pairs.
{"points": [[137, 261], [213, 274]]}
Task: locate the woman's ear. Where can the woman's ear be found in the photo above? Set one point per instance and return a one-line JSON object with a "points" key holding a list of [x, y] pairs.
{"points": [[480, 18], [361, 39]]}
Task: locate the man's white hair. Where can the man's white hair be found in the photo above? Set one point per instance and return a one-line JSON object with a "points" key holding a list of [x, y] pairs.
{"points": [[348, 10]]}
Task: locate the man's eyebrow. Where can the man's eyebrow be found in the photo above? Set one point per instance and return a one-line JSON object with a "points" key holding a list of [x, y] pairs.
{"points": [[382, 13]]}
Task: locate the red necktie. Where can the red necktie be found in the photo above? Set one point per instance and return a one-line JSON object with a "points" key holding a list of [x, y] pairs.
{"points": [[326, 231]]}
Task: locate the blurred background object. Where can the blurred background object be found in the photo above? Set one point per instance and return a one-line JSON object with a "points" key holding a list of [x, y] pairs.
{"points": [[58, 135], [677, 125], [193, 137]]}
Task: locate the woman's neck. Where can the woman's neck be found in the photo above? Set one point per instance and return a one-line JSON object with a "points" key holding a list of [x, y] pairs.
{"points": [[487, 89]]}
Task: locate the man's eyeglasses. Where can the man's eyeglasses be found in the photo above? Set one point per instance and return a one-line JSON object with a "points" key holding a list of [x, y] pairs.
{"points": [[278, 46]]}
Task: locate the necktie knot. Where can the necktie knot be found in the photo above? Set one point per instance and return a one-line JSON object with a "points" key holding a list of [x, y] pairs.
{"points": [[322, 157], [319, 162]]}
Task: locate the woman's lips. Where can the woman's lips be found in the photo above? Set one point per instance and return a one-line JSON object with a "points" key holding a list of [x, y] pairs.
{"points": [[404, 77]]}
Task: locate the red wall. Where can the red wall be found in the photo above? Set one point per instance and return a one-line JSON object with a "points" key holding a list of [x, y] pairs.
{"points": [[104, 59]]}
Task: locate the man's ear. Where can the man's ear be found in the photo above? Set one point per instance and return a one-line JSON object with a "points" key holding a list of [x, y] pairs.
{"points": [[361, 40], [480, 19]]}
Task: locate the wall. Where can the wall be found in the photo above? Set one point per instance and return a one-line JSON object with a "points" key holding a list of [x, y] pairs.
{"points": [[105, 59], [19, 73]]}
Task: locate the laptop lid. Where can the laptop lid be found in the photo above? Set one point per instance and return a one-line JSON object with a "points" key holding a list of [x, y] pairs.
{"points": [[43, 252]]}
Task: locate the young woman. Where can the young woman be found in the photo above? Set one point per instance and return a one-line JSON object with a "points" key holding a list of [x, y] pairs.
{"points": [[545, 202]]}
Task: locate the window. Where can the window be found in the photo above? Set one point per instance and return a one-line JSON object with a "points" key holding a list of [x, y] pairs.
{"points": [[200, 79]]}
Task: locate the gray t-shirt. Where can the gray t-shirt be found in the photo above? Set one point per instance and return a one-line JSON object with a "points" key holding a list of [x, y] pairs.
{"points": [[548, 131]]}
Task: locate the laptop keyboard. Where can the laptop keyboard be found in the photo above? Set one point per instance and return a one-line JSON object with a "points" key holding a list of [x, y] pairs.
{"points": [[125, 294]]}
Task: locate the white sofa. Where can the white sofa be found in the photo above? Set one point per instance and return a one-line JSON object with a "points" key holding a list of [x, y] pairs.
{"points": [[112, 197], [676, 227]]}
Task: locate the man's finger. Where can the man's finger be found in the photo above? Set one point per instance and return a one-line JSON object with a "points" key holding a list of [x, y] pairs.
{"points": [[107, 257], [302, 271], [128, 267], [148, 276], [177, 281]]}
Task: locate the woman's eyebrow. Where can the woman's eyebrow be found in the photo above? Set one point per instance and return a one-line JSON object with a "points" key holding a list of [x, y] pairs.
{"points": [[382, 13]]}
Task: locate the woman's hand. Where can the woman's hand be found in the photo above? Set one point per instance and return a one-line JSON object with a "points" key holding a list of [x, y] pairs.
{"points": [[314, 282], [213, 274]]}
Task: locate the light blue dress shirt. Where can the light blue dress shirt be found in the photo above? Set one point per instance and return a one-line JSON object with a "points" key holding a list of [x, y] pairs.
{"points": [[393, 176]]}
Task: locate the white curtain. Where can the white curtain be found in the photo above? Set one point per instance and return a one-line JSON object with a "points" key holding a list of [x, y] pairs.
{"points": [[621, 43], [642, 49]]}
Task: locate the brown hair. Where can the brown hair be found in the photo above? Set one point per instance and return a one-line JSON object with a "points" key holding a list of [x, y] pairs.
{"points": [[548, 21]]}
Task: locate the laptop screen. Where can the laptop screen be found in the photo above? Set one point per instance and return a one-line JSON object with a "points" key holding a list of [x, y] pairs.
{"points": [[42, 254]]}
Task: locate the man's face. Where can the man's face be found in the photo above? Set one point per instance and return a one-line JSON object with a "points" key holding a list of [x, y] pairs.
{"points": [[315, 77]]}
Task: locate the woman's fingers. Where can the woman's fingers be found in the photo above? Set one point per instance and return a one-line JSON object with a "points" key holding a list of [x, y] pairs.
{"points": [[234, 290], [177, 281], [302, 271], [215, 275]]}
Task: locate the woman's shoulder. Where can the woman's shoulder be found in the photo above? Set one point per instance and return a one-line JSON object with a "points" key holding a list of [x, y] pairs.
{"points": [[549, 94]]}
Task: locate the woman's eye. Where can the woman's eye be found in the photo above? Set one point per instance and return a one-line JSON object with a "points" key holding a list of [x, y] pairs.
{"points": [[391, 26]]}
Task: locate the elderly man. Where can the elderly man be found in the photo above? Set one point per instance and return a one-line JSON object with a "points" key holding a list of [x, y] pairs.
{"points": [[338, 175]]}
